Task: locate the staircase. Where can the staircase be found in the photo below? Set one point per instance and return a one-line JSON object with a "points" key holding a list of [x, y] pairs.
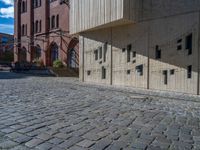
{"points": [[64, 72]]}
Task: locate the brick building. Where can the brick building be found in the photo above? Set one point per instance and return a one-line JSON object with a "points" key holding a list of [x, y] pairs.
{"points": [[42, 32], [6, 47], [152, 44]]}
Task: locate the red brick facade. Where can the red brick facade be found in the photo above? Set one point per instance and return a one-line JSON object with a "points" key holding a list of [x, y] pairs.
{"points": [[42, 32]]}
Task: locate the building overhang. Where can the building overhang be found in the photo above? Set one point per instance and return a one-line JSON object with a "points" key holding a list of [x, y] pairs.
{"points": [[89, 15]]}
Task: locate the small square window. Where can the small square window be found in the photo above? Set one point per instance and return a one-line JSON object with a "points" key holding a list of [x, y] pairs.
{"points": [[123, 50], [134, 54], [179, 41], [88, 72], [139, 69], [129, 47], [128, 72], [179, 47], [134, 61], [172, 72]]}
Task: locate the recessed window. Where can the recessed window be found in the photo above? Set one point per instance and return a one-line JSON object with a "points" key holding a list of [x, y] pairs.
{"points": [[53, 22], [57, 21], [96, 54], [165, 75], [129, 47], [139, 70], [172, 72], [189, 72], [103, 73], [88, 72], [24, 6], [128, 72], [179, 44], [134, 54], [105, 48], [188, 43], [100, 53], [36, 3], [158, 52], [123, 50]]}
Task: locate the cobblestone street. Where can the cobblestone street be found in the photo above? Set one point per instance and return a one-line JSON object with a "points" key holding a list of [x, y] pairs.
{"points": [[60, 113]]}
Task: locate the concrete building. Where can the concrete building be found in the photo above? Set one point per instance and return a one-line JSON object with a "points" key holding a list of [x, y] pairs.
{"points": [[42, 32], [151, 44], [6, 47]]}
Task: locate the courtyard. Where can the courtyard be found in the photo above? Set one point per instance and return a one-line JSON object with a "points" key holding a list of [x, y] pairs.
{"points": [[42, 113]]}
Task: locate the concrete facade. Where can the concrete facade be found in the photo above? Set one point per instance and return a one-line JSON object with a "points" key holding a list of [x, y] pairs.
{"points": [[42, 32], [154, 45]]}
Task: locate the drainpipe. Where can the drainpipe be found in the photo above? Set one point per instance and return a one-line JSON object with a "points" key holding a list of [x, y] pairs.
{"points": [[83, 60], [198, 55], [111, 58]]}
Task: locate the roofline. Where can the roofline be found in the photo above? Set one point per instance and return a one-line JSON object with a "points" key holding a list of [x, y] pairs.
{"points": [[6, 34]]}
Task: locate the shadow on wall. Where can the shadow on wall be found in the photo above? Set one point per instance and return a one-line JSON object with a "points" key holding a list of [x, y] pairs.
{"points": [[170, 41]]}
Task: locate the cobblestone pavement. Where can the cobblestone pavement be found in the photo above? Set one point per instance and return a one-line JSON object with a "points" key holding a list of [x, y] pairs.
{"points": [[60, 113]]}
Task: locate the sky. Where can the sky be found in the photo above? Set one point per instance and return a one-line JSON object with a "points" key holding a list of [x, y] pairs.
{"points": [[7, 16]]}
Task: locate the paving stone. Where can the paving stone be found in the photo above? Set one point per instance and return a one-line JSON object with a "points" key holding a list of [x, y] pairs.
{"points": [[8, 144], [34, 143], [22, 139], [7, 130], [55, 141], [62, 136], [45, 146], [70, 142], [44, 136], [14, 135], [63, 113], [86, 143], [102, 144]]}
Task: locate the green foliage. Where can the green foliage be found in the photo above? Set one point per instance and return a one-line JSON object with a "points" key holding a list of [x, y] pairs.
{"points": [[8, 56], [58, 64], [39, 62]]}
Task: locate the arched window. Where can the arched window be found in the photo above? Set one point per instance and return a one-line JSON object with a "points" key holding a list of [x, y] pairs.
{"points": [[36, 26], [40, 26], [38, 51], [22, 54], [23, 28], [57, 21], [23, 9], [53, 22]]}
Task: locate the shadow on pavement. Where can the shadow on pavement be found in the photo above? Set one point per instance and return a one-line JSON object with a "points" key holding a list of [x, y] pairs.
{"points": [[12, 75]]}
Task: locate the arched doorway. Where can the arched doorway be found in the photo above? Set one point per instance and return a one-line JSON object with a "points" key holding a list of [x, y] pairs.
{"points": [[37, 52], [22, 54], [73, 54], [72, 58], [52, 54]]}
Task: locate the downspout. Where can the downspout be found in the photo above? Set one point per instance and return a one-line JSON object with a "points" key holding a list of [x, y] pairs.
{"points": [[198, 55], [111, 58], [83, 60]]}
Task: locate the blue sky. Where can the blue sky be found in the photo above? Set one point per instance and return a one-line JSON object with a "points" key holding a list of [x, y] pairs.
{"points": [[7, 16]]}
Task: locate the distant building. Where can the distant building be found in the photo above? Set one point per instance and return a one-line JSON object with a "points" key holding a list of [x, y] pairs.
{"points": [[151, 44], [42, 32], [6, 47]]}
